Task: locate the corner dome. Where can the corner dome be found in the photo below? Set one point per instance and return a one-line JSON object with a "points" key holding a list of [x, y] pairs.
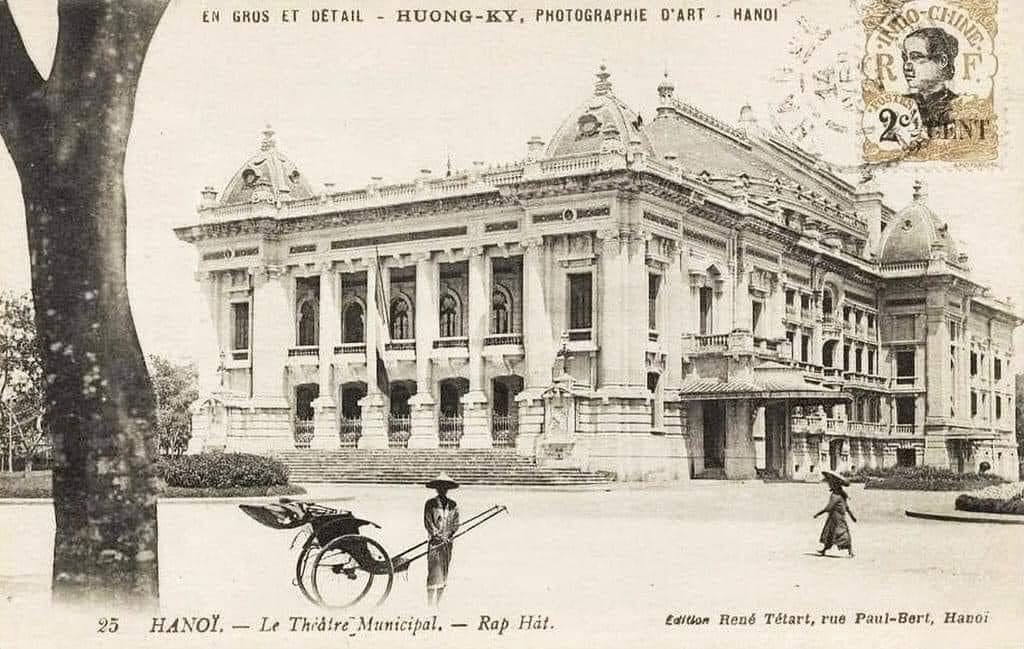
{"points": [[916, 234], [601, 123], [268, 176]]}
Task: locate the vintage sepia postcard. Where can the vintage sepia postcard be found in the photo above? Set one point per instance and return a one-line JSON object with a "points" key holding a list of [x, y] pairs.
{"points": [[584, 324]]}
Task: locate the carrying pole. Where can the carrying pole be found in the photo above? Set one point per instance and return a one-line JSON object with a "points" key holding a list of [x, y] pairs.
{"points": [[469, 524]]}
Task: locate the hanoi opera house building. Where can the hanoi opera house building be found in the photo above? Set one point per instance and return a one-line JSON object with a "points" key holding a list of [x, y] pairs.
{"points": [[663, 298]]}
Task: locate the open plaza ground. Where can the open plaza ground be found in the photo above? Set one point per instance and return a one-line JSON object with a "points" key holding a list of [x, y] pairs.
{"points": [[606, 567]]}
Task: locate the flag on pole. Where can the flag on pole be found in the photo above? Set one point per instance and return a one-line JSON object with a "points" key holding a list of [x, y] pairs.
{"points": [[382, 326]]}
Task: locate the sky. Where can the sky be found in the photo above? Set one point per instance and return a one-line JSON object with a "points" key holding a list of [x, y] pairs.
{"points": [[350, 101]]}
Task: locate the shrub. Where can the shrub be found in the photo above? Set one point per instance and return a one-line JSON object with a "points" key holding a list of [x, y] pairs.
{"points": [[968, 503], [922, 478], [222, 470]]}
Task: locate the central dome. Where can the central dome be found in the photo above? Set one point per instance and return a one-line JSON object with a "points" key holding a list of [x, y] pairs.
{"points": [[268, 176], [916, 234], [601, 123]]}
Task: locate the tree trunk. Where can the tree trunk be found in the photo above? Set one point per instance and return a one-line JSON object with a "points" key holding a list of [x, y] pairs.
{"points": [[67, 136]]}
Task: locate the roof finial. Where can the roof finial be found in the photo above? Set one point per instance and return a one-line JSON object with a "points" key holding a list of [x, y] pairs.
{"points": [[920, 191], [666, 88], [602, 86], [268, 139]]}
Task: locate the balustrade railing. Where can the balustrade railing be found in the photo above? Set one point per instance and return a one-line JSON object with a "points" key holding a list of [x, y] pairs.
{"points": [[303, 350], [903, 429], [792, 311], [240, 355], [303, 433], [350, 348], [350, 432], [652, 336], [503, 339], [504, 429], [401, 346], [399, 431], [449, 431], [712, 340]]}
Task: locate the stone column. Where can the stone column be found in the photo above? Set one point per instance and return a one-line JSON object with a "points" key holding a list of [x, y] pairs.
{"points": [[742, 309], [777, 328], [757, 433], [271, 335], [476, 420], [374, 404], [612, 279], [538, 344], [424, 421], [672, 309], [817, 336], [537, 338], [325, 428]]}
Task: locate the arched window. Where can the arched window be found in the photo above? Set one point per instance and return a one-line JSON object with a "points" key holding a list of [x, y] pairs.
{"points": [[353, 328], [501, 310], [450, 315], [307, 328], [401, 318]]}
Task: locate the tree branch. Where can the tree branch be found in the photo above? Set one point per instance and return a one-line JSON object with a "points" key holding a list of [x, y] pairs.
{"points": [[19, 78]]}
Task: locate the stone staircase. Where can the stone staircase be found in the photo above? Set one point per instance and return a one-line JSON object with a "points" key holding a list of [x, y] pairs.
{"points": [[413, 466]]}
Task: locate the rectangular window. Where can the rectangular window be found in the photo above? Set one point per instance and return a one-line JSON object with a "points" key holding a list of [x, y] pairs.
{"points": [[846, 358], [997, 369], [906, 457], [905, 410], [974, 364], [791, 337], [805, 302], [871, 321], [904, 367], [756, 312], [789, 297], [999, 407], [240, 325], [974, 403], [805, 346], [653, 286], [858, 360], [580, 301], [706, 306], [871, 362]]}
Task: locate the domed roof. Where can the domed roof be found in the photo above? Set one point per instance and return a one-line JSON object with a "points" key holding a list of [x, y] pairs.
{"points": [[268, 176], [916, 234], [601, 123]]}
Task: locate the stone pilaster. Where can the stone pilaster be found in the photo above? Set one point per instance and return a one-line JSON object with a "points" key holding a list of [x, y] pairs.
{"points": [[476, 421], [537, 336], [612, 280]]}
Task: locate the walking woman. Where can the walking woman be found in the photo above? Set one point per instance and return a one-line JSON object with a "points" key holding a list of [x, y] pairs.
{"points": [[441, 518], [836, 532]]}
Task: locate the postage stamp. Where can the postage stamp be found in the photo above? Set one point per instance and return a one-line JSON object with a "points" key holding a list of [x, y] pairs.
{"points": [[929, 68]]}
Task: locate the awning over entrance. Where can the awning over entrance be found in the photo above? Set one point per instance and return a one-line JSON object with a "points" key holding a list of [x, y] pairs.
{"points": [[769, 381]]}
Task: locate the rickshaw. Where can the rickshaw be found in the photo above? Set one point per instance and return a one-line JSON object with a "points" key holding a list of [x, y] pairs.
{"points": [[338, 564]]}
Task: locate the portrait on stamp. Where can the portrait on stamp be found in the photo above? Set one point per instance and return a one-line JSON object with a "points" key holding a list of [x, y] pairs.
{"points": [[928, 79]]}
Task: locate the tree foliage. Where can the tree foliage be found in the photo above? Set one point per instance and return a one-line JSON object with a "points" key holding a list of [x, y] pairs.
{"points": [[176, 386]]}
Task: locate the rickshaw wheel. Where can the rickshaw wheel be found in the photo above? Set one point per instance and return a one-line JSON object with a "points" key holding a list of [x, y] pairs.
{"points": [[301, 580], [338, 568]]}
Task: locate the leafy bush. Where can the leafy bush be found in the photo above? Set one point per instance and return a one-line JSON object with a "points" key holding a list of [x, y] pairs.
{"points": [[222, 470], [922, 478], [968, 503], [233, 492]]}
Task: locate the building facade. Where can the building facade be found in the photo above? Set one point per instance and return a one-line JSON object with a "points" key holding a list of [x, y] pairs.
{"points": [[665, 299]]}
